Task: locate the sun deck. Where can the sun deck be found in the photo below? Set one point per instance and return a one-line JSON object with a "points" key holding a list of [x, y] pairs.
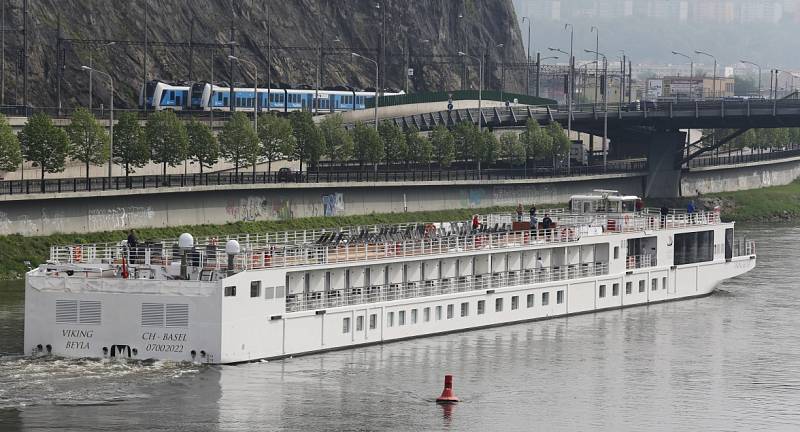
{"points": [[153, 260]]}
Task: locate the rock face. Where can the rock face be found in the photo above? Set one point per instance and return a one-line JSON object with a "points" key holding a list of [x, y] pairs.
{"points": [[425, 35]]}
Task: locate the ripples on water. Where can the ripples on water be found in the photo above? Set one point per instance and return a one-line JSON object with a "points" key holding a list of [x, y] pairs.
{"points": [[730, 361]]}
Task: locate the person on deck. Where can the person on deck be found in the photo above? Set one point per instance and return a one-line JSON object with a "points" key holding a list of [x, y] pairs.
{"points": [[547, 223], [664, 213], [475, 223], [132, 240], [519, 212], [532, 213]]}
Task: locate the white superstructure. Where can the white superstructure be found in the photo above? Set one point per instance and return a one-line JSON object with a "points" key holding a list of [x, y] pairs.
{"points": [[272, 295]]}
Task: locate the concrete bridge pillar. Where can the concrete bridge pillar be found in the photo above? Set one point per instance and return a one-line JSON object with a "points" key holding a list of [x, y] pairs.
{"points": [[664, 173]]}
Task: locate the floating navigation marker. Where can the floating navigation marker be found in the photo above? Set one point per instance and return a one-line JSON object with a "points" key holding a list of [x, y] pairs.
{"points": [[447, 397]]}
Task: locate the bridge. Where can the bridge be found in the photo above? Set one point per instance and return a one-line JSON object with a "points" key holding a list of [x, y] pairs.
{"points": [[645, 128]]}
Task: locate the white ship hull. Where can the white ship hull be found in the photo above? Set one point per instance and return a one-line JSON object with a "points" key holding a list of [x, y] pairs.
{"points": [[202, 322]]}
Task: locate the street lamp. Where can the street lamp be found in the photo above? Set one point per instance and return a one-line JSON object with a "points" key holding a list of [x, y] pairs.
{"points": [[759, 73], [596, 31], [528, 59], [91, 64], [480, 87], [377, 70], [571, 82], [605, 105], [715, 68], [691, 62], [111, 123], [255, 87]]}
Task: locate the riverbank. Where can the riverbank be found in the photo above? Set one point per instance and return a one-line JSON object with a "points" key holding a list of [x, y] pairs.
{"points": [[771, 204]]}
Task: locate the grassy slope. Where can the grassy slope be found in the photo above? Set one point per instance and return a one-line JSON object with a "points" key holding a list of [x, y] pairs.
{"points": [[779, 202]]}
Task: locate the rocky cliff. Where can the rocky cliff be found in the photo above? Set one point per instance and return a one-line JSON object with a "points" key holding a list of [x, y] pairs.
{"points": [[286, 36]]}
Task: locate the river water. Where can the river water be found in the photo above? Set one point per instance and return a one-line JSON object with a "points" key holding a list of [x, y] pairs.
{"points": [[730, 361]]}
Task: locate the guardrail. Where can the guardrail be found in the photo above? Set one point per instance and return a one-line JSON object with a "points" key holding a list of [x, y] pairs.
{"points": [[36, 186], [389, 292], [640, 261], [733, 159]]}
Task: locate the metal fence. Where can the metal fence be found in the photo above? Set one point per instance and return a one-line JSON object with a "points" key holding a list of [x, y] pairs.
{"points": [[60, 185]]}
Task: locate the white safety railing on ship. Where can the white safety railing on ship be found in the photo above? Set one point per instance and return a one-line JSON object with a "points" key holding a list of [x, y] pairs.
{"points": [[640, 261], [215, 258], [389, 292]]}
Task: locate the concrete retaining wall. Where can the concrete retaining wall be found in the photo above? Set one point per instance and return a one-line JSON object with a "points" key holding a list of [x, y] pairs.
{"points": [[753, 175], [114, 210], [214, 205]]}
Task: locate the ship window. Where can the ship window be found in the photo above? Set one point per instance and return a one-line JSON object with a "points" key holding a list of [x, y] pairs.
{"points": [[426, 314], [514, 302], [559, 296], [390, 319], [401, 318], [279, 291], [530, 298], [693, 247], [615, 290], [464, 309], [628, 287], [450, 311], [255, 289], [438, 313], [545, 298], [269, 293], [373, 321], [413, 316], [654, 284], [360, 323], [641, 286], [481, 307], [230, 291], [663, 283], [346, 325], [602, 291], [498, 305], [616, 252]]}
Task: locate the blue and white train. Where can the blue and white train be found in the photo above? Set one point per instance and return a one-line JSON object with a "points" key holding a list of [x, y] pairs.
{"points": [[202, 96]]}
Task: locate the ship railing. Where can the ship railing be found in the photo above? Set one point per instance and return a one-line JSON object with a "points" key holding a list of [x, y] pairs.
{"points": [[213, 257], [640, 261], [744, 247], [398, 291]]}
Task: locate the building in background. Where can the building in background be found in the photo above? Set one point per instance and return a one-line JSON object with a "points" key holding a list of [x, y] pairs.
{"points": [[682, 87]]}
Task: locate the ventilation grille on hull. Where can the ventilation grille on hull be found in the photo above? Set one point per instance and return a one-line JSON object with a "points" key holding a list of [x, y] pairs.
{"points": [[87, 312], [161, 315]]}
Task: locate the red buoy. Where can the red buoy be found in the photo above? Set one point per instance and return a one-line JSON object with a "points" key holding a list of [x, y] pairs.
{"points": [[447, 397]]}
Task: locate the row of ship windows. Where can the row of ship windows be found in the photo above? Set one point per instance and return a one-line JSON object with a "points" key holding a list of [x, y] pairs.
{"points": [[464, 312], [602, 292], [255, 291]]}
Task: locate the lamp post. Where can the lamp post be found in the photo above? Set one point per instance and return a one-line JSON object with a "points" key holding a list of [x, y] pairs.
{"points": [[715, 68], [539, 61], [605, 106], [691, 71], [255, 87], [759, 73], [111, 123], [571, 83], [528, 59], [502, 69], [480, 87], [596, 31], [377, 72]]}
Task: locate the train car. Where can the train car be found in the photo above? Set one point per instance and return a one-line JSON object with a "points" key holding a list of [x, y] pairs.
{"points": [[160, 95]]}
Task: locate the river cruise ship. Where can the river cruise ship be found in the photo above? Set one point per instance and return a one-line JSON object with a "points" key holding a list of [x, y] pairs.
{"points": [[248, 297]]}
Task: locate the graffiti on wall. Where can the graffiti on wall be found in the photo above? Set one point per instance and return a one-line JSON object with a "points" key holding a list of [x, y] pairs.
{"points": [[333, 204], [119, 217], [255, 208], [472, 198]]}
